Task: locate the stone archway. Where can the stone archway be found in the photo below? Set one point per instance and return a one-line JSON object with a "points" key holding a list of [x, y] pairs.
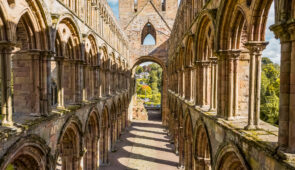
{"points": [[70, 146], [188, 141], [113, 128], [92, 136], [202, 151], [28, 153], [104, 136], [164, 99], [181, 137], [229, 157]]}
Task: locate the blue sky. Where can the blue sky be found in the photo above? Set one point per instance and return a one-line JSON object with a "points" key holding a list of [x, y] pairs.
{"points": [[272, 51]]}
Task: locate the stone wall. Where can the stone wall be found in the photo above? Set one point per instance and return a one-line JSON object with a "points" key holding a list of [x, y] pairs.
{"points": [[64, 84], [214, 69]]}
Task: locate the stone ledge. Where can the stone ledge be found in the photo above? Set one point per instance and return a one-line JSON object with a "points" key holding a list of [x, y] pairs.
{"points": [[265, 138], [25, 122]]}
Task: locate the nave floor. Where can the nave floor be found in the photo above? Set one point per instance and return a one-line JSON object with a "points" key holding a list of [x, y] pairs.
{"points": [[144, 146]]}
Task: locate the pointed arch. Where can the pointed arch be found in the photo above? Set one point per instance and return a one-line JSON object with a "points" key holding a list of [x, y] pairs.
{"points": [[224, 14], [148, 29], [239, 29], [3, 24], [259, 19]]}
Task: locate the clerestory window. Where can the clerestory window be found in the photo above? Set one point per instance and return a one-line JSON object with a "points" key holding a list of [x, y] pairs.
{"points": [[148, 35]]}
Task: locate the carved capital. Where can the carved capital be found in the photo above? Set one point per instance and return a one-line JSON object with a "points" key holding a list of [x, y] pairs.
{"points": [[280, 31], [256, 47]]}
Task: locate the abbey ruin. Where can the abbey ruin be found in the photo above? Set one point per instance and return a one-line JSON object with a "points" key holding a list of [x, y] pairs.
{"points": [[68, 84]]}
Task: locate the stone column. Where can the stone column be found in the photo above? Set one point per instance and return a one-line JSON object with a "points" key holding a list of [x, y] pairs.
{"points": [[213, 100], [202, 87], [192, 80], [101, 79], [286, 33], [108, 82], [182, 84], [255, 51], [79, 80], [6, 49], [227, 83], [232, 84], [45, 94], [96, 83], [84, 89], [60, 84], [178, 82], [72, 67]]}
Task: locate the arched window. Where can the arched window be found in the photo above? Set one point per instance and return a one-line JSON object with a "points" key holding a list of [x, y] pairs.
{"points": [[163, 5], [135, 5], [148, 35]]}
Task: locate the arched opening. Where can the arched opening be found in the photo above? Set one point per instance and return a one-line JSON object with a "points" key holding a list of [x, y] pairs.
{"points": [[92, 142], [230, 161], [163, 5], [113, 129], [202, 148], [188, 138], [148, 35], [148, 87], [181, 141], [270, 76], [90, 70], [206, 62], [229, 158], [24, 71], [104, 137], [70, 148], [104, 72], [65, 69], [28, 157]]}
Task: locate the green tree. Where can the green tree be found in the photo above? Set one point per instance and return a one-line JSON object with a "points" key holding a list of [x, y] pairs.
{"points": [[270, 90], [153, 77], [138, 70], [154, 66]]}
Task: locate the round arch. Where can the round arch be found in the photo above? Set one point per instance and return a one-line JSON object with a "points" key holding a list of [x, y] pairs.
{"points": [[30, 152], [143, 59], [229, 157], [71, 21], [181, 135], [104, 135], [201, 146], [188, 139], [91, 140], [70, 144]]}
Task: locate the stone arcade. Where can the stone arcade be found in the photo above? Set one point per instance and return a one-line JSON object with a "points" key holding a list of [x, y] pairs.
{"points": [[67, 81]]}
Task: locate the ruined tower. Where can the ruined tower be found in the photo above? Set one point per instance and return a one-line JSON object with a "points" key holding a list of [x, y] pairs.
{"points": [[140, 18]]}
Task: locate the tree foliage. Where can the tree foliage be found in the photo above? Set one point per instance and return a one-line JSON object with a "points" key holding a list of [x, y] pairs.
{"points": [[270, 90], [154, 82], [138, 70]]}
